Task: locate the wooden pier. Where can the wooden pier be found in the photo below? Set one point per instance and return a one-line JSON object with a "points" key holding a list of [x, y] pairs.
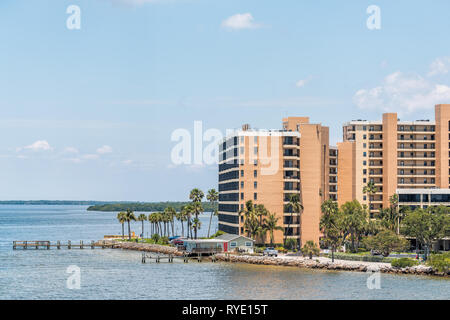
{"points": [[58, 245], [170, 257]]}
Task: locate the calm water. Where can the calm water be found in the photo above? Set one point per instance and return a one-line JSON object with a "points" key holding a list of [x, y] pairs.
{"points": [[117, 274]]}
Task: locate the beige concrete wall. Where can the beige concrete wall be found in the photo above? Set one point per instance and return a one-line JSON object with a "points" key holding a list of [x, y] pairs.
{"points": [[346, 185], [311, 168], [389, 156], [442, 114]]}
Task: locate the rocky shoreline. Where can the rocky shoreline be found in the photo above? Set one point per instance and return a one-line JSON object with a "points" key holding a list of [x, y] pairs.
{"points": [[292, 261], [325, 263]]}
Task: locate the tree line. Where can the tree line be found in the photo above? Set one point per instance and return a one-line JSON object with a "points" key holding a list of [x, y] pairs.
{"points": [[162, 223]]}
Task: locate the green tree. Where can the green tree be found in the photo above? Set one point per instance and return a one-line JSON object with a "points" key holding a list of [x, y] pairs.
{"points": [[272, 225], [212, 197], [296, 207], [182, 217], [370, 189], [121, 218], [196, 195], [310, 249], [129, 216], [170, 214], [354, 222], [426, 226], [385, 242], [142, 217], [331, 226]]}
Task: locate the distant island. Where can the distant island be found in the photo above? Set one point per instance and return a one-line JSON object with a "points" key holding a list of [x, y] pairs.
{"points": [[145, 206], [53, 202]]}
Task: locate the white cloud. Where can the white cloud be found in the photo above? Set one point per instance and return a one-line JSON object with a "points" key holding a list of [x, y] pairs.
{"points": [[240, 21], [70, 150], [104, 149], [301, 83], [439, 66], [90, 156], [40, 145], [404, 93]]}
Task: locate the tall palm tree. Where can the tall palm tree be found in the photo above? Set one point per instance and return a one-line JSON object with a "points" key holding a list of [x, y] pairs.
{"points": [[294, 206], [213, 197], [182, 216], [188, 211], [129, 216], [170, 214], [150, 220], [272, 225], [250, 218], [261, 214], [393, 200], [196, 195], [330, 225], [142, 217], [370, 189], [121, 218]]}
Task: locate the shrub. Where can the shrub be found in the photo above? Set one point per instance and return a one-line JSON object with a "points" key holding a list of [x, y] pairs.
{"points": [[163, 240], [404, 262], [310, 249], [291, 243], [280, 249], [359, 257], [440, 262], [155, 237]]}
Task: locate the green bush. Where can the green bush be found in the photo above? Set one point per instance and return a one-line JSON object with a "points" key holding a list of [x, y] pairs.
{"points": [[440, 262], [155, 237], [163, 240], [291, 243], [359, 257], [280, 249], [404, 262]]}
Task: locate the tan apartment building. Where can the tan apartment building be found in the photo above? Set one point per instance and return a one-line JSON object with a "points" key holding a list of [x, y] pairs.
{"points": [[393, 154], [267, 166]]}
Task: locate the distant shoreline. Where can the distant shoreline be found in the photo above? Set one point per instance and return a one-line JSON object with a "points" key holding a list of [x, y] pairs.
{"points": [[110, 206]]}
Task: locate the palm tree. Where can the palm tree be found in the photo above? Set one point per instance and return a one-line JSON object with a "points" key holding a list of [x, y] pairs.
{"points": [[129, 216], [261, 214], [393, 200], [142, 217], [250, 219], [151, 220], [272, 225], [188, 210], [330, 225], [294, 206], [370, 189], [121, 218], [196, 195], [181, 216], [212, 196], [310, 249], [170, 213]]}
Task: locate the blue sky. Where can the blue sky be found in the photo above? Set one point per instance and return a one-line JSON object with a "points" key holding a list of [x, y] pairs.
{"points": [[89, 113]]}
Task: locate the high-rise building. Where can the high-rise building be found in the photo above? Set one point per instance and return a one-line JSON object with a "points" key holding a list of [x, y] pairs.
{"points": [[267, 166], [393, 154]]}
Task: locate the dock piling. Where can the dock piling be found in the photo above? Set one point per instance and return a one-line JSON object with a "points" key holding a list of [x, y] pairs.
{"points": [[69, 245]]}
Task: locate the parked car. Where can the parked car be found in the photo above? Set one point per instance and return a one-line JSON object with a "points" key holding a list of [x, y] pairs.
{"points": [[270, 252]]}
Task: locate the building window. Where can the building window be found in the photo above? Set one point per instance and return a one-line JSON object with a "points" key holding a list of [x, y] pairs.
{"points": [[255, 196], [364, 162], [242, 184], [242, 139], [364, 137], [255, 184], [364, 171], [242, 196], [364, 154], [255, 173], [248, 243], [233, 244], [242, 173]]}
